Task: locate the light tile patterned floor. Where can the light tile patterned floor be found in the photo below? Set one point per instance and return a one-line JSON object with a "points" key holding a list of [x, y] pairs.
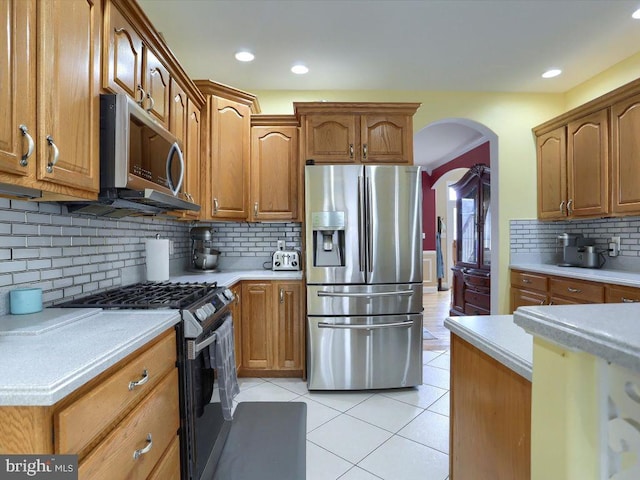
{"points": [[367, 435]]}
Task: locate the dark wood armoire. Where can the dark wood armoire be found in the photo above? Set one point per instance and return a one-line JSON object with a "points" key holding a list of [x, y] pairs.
{"points": [[471, 293]]}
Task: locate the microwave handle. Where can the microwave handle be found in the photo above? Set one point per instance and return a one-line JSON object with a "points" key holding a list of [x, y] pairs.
{"points": [[175, 148]]}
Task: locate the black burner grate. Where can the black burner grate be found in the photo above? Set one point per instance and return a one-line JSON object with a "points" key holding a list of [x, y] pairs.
{"points": [[146, 295]]}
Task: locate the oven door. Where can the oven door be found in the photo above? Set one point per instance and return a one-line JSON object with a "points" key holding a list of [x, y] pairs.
{"points": [[208, 430]]}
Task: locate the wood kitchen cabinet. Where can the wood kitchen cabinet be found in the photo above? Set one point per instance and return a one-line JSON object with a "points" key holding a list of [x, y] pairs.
{"points": [[50, 127], [377, 133], [551, 148], [131, 66], [236, 315], [530, 288], [625, 156], [227, 158], [275, 168], [272, 328], [106, 420]]}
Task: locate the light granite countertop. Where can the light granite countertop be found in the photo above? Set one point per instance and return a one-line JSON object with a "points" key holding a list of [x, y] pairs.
{"points": [[616, 277], [610, 331], [227, 278], [499, 337], [47, 355]]}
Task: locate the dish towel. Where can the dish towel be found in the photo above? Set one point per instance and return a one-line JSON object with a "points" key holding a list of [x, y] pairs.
{"points": [[225, 361]]}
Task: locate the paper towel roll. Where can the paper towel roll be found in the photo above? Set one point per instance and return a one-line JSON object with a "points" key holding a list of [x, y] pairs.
{"points": [[157, 259]]}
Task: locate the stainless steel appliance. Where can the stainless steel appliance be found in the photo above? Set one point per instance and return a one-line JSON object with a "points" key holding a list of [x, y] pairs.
{"points": [[578, 251], [364, 276], [203, 256], [203, 307], [141, 163], [285, 260]]}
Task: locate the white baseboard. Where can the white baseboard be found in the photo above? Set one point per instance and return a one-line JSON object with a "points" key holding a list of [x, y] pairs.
{"points": [[429, 289]]}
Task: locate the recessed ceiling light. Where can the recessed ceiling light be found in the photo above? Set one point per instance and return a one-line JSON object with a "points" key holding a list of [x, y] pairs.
{"points": [[554, 72], [299, 69], [244, 56], [636, 14]]}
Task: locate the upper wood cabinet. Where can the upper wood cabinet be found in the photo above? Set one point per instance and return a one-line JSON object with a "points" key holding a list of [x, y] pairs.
{"points": [[227, 157], [50, 144], [625, 156], [336, 133], [551, 150], [275, 168], [132, 67]]}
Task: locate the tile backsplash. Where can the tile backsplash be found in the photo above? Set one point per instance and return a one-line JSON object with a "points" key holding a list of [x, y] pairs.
{"points": [[533, 240], [71, 255]]}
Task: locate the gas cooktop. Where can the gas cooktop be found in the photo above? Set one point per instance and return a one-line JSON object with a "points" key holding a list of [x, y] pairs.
{"points": [[147, 295]]}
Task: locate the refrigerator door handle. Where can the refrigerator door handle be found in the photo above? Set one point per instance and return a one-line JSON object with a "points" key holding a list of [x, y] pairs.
{"points": [[361, 224], [346, 326], [365, 294], [369, 225]]}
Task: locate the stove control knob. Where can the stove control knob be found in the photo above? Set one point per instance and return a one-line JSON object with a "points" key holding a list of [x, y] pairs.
{"points": [[201, 314], [228, 294], [210, 309]]}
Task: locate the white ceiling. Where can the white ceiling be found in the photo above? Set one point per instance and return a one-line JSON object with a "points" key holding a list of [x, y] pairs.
{"points": [[466, 45]]}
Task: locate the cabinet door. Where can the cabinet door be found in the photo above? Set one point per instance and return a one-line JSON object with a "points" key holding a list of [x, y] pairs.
{"points": [[289, 327], [386, 139], [68, 108], [236, 314], [522, 298], [621, 294], [178, 112], [17, 87], [551, 150], [588, 165], [257, 325], [193, 155], [230, 126], [122, 67], [332, 138], [156, 87], [457, 295], [274, 173], [625, 153]]}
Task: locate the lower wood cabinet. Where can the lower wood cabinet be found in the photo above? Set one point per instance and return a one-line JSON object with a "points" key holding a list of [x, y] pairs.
{"points": [[105, 421], [490, 421], [272, 328], [236, 314], [529, 288]]}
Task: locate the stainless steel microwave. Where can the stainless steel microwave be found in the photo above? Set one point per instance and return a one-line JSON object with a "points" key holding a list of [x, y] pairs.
{"points": [[141, 162]]}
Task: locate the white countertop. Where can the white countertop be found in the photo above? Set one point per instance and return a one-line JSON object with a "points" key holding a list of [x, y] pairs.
{"points": [[228, 278], [616, 277], [47, 355], [610, 331], [498, 337]]}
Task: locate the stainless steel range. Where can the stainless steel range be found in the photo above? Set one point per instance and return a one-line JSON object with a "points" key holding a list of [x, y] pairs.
{"points": [[204, 307]]}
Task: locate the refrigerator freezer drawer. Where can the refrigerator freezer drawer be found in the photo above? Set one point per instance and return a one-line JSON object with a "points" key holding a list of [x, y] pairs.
{"points": [[364, 299], [356, 353]]}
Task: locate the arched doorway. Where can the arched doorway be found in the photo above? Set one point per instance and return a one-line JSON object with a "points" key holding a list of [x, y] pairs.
{"points": [[449, 144]]}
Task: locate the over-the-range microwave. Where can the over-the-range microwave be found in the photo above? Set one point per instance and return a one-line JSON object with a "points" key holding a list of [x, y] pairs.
{"points": [[141, 163]]}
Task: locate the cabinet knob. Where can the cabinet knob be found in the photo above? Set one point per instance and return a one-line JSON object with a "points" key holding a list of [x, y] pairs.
{"points": [[24, 161], [55, 154]]}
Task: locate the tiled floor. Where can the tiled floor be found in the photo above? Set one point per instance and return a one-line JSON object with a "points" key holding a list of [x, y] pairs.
{"points": [[385, 434]]}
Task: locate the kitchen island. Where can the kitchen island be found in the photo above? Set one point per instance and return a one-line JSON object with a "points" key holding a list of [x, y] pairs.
{"points": [[490, 420]]}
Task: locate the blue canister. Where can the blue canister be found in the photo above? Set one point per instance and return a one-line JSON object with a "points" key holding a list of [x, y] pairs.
{"points": [[25, 300]]}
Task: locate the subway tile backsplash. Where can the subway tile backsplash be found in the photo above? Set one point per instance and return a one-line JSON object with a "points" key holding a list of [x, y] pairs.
{"points": [[70, 255], [533, 240]]}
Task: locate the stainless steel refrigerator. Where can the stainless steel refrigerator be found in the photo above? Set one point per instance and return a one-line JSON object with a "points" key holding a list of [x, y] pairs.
{"points": [[363, 244]]}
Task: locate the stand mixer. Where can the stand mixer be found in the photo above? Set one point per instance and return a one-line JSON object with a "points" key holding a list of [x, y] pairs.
{"points": [[204, 257]]}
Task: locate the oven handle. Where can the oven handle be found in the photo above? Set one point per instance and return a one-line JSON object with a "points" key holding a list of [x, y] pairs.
{"points": [[347, 326], [194, 348]]}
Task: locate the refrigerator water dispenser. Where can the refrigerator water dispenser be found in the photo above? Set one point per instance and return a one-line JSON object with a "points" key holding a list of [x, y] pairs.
{"points": [[328, 238]]}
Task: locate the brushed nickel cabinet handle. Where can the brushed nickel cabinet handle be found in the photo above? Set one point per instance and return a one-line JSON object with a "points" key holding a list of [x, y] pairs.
{"points": [[24, 161], [574, 290], [144, 379], [351, 150], [281, 295], [138, 453], [364, 151], [255, 209], [143, 94], [55, 155], [569, 209], [526, 280], [238, 298], [215, 205], [562, 209], [628, 300], [152, 103], [542, 302]]}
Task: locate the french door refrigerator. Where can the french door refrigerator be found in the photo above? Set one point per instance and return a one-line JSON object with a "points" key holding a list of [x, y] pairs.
{"points": [[363, 264]]}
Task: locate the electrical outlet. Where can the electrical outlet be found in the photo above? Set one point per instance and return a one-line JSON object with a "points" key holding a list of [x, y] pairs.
{"points": [[614, 246], [170, 247], [281, 245]]}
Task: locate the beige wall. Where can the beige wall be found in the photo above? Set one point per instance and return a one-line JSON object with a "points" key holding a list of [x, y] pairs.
{"points": [[511, 116]]}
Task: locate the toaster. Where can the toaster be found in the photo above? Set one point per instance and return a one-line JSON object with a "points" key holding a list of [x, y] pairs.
{"points": [[285, 260]]}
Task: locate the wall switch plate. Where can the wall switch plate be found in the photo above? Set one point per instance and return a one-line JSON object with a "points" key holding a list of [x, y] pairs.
{"points": [[614, 246], [281, 245]]}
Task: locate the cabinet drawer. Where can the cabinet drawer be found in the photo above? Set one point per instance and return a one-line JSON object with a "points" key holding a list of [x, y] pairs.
{"points": [[478, 281], [576, 289], [471, 309], [530, 281], [522, 298], [169, 465], [156, 417], [619, 294], [81, 422], [479, 299]]}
